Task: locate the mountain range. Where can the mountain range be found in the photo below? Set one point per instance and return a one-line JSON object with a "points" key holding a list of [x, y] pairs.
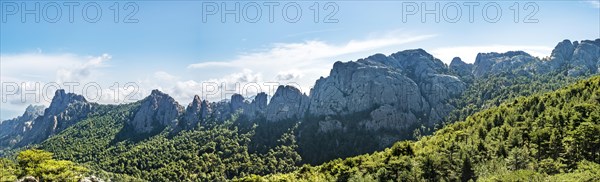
{"points": [[363, 106]]}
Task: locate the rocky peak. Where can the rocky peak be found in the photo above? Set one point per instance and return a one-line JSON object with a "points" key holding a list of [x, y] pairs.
{"points": [[62, 100], [457, 62], [156, 112], [563, 51], [585, 58], [494, 63], [67, 106], [196, 100], [287, 103], [21, 124], [33, 111], [419, 64], [193, 112], [461, 68], [260, 101], [205, 109], [380, 59], [256, 108], [65, 110], [394, 92], [237, 102]]}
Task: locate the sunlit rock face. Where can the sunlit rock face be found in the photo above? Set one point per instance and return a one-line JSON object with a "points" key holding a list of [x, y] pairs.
{"points": [[156, 111]]}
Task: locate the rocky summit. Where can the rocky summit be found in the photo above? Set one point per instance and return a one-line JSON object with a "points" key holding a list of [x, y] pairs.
{"points": [[156, 111], [395, 93], [12, 129], [36, 124], [287, 103], [194, 112]]}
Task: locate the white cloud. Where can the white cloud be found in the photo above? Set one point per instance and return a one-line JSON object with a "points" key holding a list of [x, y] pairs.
{"points": [[299, 54], [289, 75], [298, 64], [83, 70], [161, 75], [41, 74], [306, 61], [246, 82], [469, 53]]}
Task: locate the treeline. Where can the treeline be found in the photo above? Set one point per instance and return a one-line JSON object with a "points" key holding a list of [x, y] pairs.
{"points": [[213, 151], [545, 135], [553, 136]]}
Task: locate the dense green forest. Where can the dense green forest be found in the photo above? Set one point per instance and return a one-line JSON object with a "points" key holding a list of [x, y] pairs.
{"points": [[525, 128], [492, 90], [546, 136], [485, 92], [40, 165], [212, 151], [553, 136]]}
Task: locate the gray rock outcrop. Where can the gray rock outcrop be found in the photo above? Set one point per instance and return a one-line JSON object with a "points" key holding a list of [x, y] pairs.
{"points": [[11, 130], [496, 63], [585, 58], [287, 103], [156, 111], [194, 113], [394, 90], [65, 110], [462, 69], [257, 107]]}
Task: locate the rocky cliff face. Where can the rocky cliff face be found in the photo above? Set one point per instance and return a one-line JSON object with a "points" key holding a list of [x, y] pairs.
{"points": [[495, 63], [395, 90], [399, 91], [585, 59], [194, 113], [21, 123], [65, 110], [287, 103], [257, 107], [573, 58], [394, 93], [156, 111], [462, 69], [11, 130]]}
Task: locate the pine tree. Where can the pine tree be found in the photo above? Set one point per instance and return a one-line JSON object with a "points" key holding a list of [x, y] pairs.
{"points": [[467, 171]]}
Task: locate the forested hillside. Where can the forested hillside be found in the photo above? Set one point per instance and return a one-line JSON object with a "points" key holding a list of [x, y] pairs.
{"points": [[551, 136], [508, 115], [213, 151]]}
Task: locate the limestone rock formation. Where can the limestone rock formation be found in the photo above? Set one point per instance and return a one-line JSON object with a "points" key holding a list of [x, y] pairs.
{"points": [[65, 110], [287, 103], [194, 112], [156, 111], [462, 69], [11, 130], [394, 90]]}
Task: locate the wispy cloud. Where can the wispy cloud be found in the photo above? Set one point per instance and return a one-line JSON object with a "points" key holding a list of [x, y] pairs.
{"points": [[304, 52], [82, 70], [303, 62], [50, 67], [313, 32], [34, 76], [469, 53]]}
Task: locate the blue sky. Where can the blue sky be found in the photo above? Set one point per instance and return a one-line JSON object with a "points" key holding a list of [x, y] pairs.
{"points": [[171, 48]]}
